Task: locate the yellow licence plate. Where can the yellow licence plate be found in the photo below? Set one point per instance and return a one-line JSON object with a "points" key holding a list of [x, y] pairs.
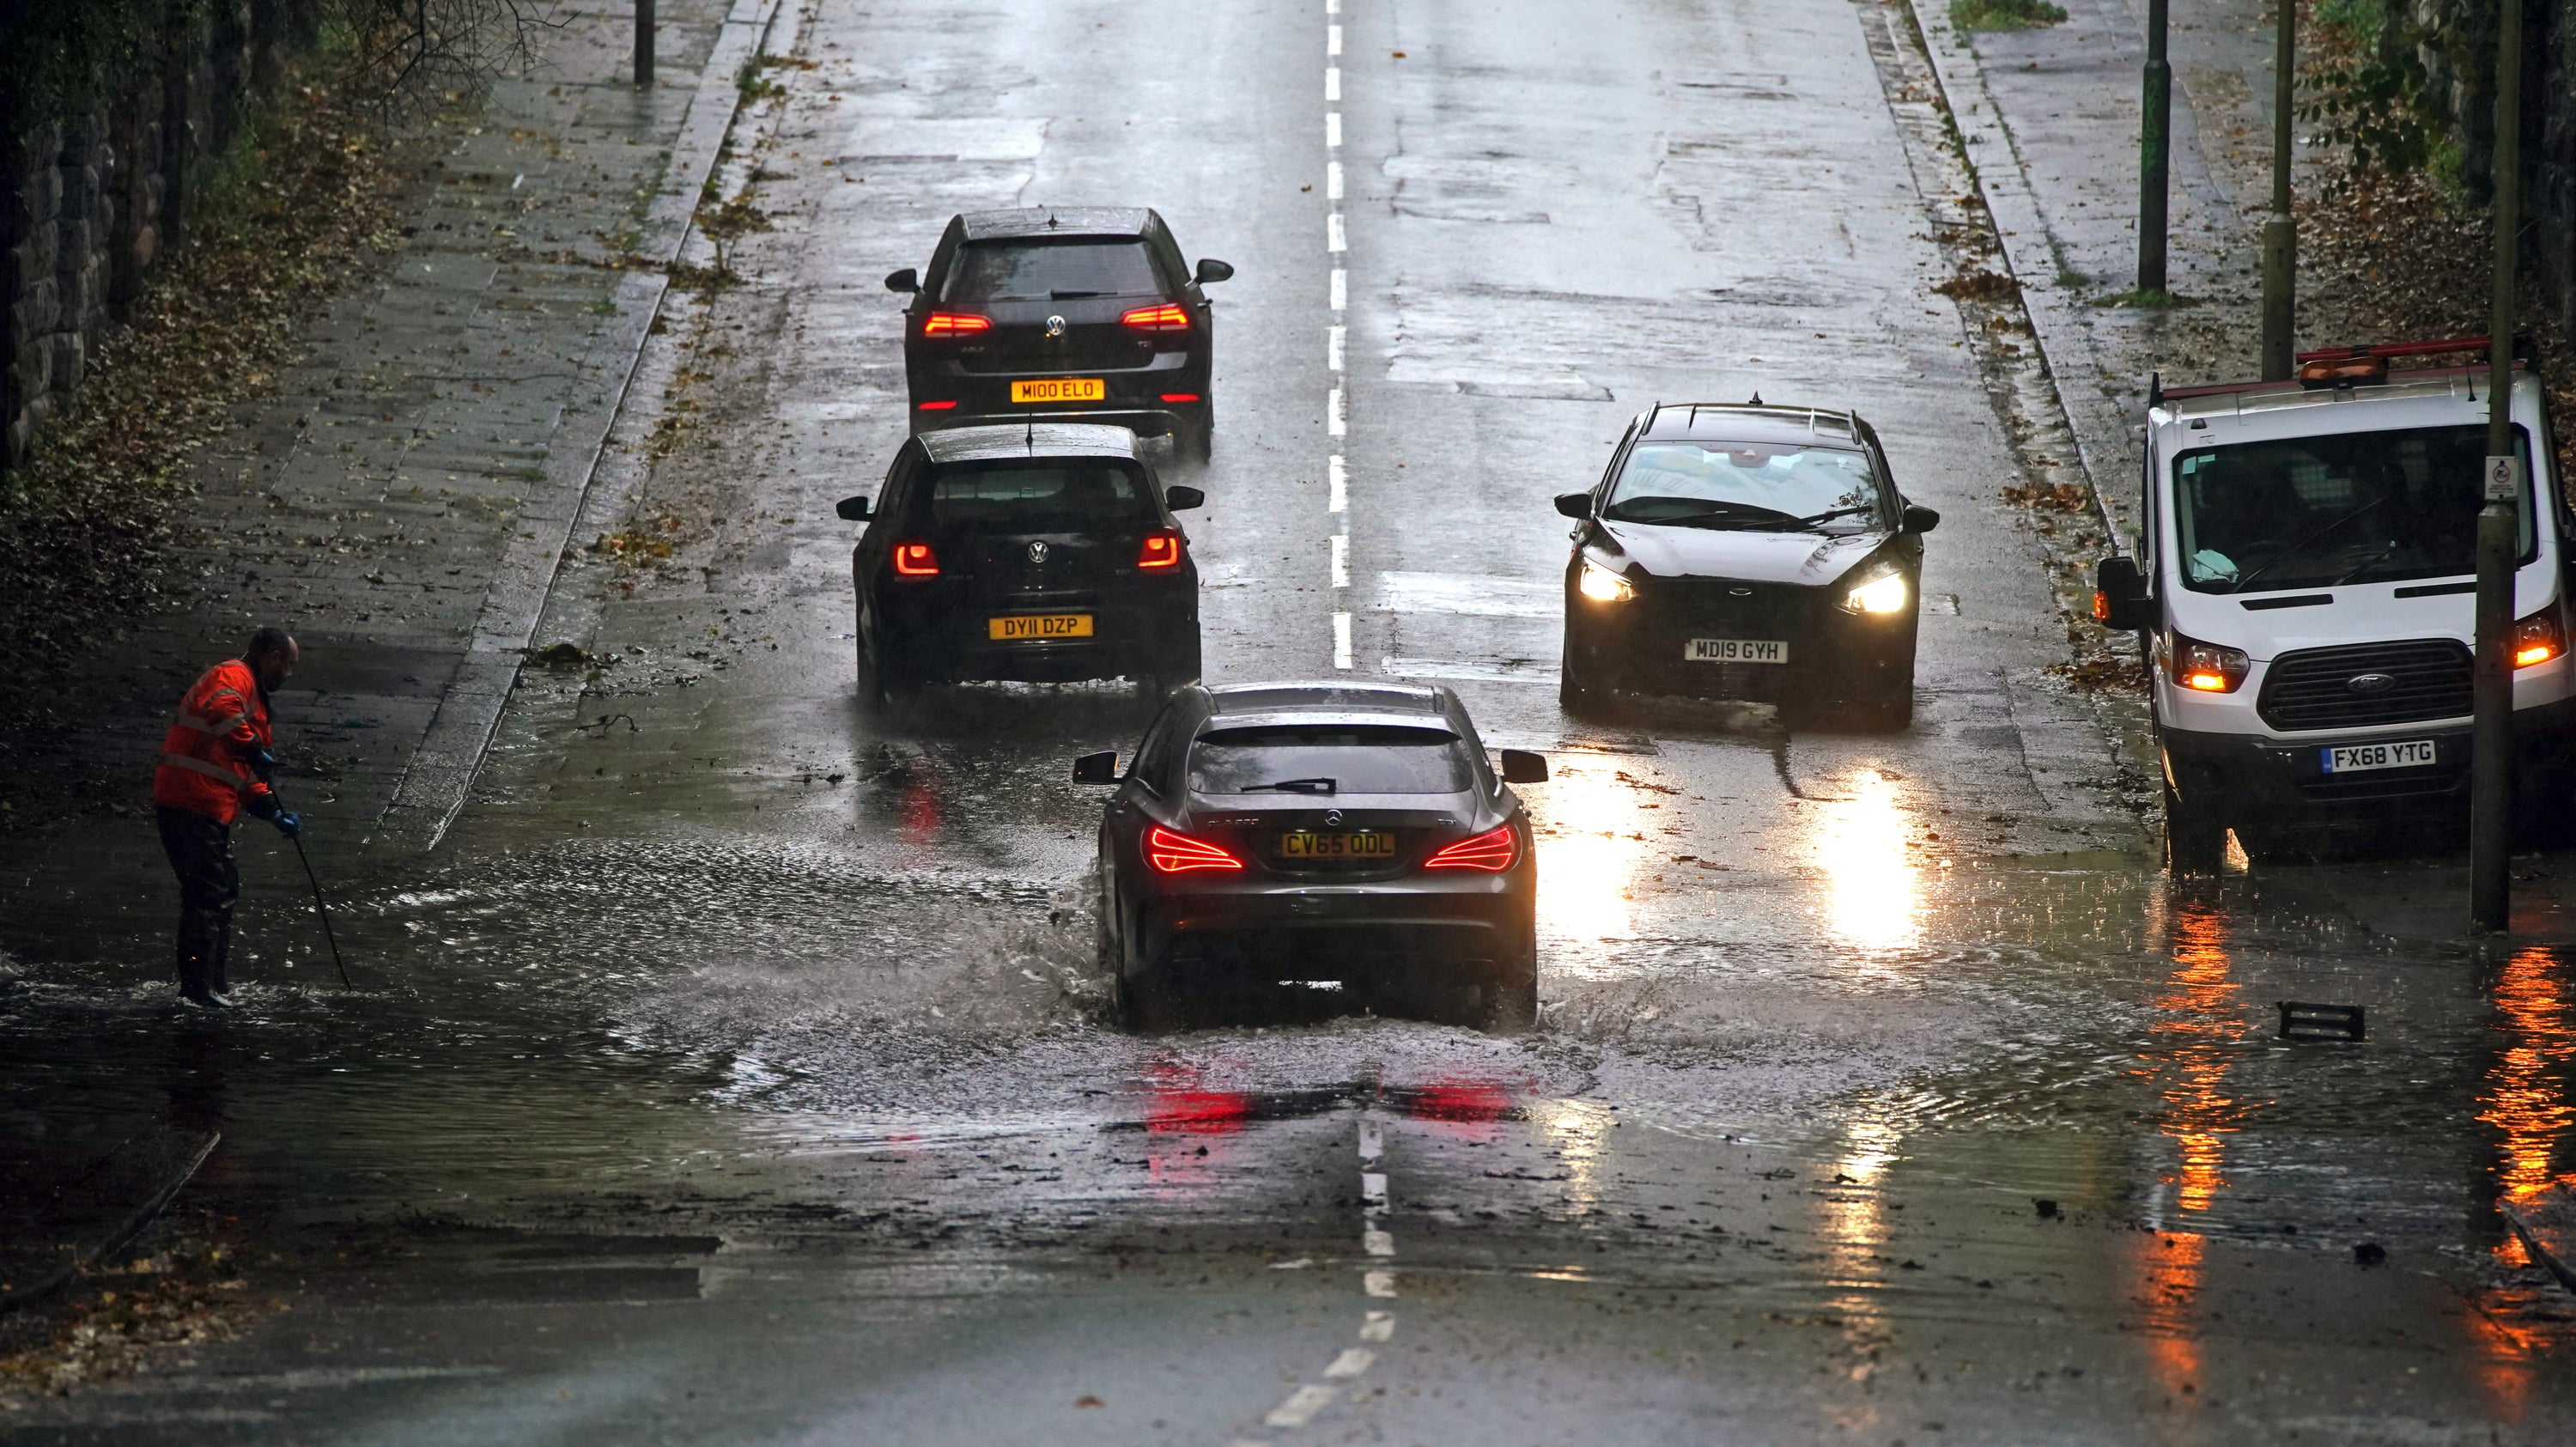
{"points": [[1060, 389], [1039, 625], [1367, 844]]}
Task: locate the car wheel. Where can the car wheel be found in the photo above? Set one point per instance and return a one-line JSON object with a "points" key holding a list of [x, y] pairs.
{"points": [[1888, 708], [2195, 838], [872, 689], [1198, 439], [1574, 692], [1178, 668], [1511, 992]]}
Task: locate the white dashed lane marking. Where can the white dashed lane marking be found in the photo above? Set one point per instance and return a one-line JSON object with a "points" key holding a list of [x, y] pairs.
{"points": [[1376, 1327]]}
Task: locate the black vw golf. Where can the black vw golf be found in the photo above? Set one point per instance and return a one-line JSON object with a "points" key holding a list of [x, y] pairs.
{"points": [[1746, 552], [1060, 312], [1041, 553], [1318, 832]]}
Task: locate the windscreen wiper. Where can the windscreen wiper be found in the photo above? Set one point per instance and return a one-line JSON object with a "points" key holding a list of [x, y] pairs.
{"points": [[1823, 517], [1072, 295], [2303, 544], [1707, 512], [1293, 786]]}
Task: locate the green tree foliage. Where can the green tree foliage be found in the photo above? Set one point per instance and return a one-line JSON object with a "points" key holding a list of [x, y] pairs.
{"points": [[2375, 93], [2004, 14]]}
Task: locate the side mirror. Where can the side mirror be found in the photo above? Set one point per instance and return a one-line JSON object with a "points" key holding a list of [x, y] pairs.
{"points": [[1211, 269], [2120, 600], [1577, 505], [1182, 499], [1520, 766], [852, 509], [1918, 519], [906, 280], [1101, 768]]}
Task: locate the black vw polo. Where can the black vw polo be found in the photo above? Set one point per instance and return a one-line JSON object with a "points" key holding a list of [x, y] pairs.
{"points": [[1045, 553], [1060, 312], [1746, 552], [1318, 831]]}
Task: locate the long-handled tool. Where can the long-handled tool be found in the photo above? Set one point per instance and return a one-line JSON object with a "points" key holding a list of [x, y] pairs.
{"points": [[297, 839]]}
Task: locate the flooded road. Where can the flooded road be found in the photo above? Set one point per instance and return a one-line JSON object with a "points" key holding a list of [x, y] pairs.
{"points": [[738, 1066]]}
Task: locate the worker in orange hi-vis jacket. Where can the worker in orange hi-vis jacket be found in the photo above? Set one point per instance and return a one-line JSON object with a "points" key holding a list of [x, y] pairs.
{"points": [[215, 763]]}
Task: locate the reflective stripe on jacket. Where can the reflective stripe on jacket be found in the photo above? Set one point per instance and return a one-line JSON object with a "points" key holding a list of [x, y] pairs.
{"points": [[206, 756]]}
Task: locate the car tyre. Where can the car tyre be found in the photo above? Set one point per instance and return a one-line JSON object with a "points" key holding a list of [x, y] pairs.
{"points": [[1574, 693], [1888, 708], [2195, 838], [872, 688], [1177, 670], [1511, 992]]}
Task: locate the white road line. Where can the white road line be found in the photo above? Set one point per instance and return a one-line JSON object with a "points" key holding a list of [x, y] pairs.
{"points": [[1332, 38], [1334, 337], [1372, 1141], [1341, 289], [1377, 1243], [1378, 1283], [1334, 241], [1302, 1405], [1379, 1327], [1337, 484], [1337, 417], [1352, 1362], [1332, 82], [1332, 180], [1373, 1188], [1341, 640], [1333, 128], [1341, 560]]}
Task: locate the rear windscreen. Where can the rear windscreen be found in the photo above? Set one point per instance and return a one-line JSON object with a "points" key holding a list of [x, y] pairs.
{"points": [[1042, 496], [1052, 271], [1322, 760]]}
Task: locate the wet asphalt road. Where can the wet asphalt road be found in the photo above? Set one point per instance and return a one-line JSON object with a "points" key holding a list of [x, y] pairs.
{"points": [[737, 1070]]}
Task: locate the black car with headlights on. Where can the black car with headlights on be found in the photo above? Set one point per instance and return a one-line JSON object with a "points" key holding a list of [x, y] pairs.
{"points": [[1749, 553], [1318, 832], [1082, 313], [1044, 553]]}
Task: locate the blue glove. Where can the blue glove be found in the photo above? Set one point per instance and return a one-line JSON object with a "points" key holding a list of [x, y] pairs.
{"points": [[289, 823], [263, 763]]}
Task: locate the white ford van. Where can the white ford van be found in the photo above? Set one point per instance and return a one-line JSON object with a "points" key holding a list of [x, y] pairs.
{"points": [[2304, 574]]}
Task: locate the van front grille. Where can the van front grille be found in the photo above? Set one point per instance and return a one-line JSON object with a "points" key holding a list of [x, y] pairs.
{"points": [[2312, 688]]}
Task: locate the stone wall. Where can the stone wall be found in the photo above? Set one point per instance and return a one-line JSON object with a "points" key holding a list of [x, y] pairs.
{"points": [[89, 203]]}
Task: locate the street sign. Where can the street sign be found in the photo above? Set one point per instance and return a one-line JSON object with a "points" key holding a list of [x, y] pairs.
{"points": [[2504, 479]]}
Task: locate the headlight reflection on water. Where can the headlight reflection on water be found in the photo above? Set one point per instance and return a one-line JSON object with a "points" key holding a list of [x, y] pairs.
{"points": [[1589, 856], [1873, 885]]}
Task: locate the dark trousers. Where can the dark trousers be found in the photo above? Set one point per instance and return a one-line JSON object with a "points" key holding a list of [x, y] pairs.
{"points": [[201, 851]]}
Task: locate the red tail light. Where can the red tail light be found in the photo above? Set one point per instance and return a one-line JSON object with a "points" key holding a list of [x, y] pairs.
{"points": [[954, 324], [1172, 853], [1169, 317], [936, 406], [915, 560], [1180, 396], [1492, 851], [1162, 549]]}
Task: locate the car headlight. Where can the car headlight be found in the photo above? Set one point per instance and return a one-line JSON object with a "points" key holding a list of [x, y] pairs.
{"points": [[2207, 667], [2538, 638], [1603, 586], [1886, 593]]}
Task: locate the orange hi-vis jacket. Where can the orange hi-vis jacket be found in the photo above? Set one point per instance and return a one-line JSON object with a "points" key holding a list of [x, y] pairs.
{"points": [[206, 756]]}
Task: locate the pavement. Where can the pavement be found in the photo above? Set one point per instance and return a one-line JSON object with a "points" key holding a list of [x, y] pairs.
{"points": [[735, 1067]]}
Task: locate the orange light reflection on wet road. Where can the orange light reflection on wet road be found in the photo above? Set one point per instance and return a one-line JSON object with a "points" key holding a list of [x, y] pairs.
{"points": [[2526, 1094], [1873, 886], [1589, 855]]}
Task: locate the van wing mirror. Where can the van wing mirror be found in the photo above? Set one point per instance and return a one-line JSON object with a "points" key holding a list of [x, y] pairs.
{"points": [[1182, 499], [1520, 766], [852, 509], [1919, 519], [906, 280], [1211, 270], [2120, 600], [1100, 768], [1576, 505]]}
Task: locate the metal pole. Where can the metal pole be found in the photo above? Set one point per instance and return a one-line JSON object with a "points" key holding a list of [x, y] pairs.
{"points": [[643, 44], [2491, 759], [2280, 234], [2155, 136], [316, 881]]}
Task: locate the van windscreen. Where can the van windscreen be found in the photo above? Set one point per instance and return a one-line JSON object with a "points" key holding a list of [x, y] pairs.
{"points": [[2318, 512]]}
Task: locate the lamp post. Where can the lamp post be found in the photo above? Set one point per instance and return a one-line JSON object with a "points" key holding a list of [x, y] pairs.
{"points": [[2499, 522], [2155, 144], [2281, 233], [643, 44]]}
